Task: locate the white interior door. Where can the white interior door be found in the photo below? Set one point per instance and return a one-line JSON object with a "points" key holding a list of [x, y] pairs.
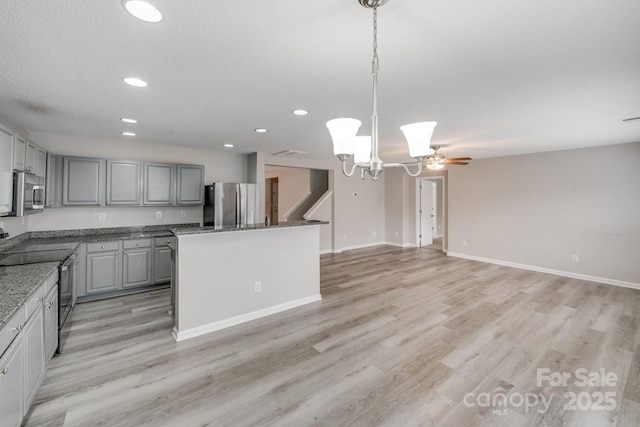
{"points": [[426, 212]]}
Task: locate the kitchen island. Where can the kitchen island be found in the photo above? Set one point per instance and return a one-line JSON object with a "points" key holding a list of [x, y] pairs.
{"points": [[228, 275]]}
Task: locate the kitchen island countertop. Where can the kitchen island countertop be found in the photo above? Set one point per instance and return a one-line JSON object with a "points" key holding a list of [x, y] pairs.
{"points": [[228, 228]]}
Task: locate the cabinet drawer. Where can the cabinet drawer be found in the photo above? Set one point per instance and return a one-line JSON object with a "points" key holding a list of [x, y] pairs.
{"points": [[11, 329], [164, 241], [142, 243], [35, 301], [102, 246]]}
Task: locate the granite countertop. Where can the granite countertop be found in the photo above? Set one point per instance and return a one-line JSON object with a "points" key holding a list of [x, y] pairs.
{"points": [[18, 283], [228, 228]]}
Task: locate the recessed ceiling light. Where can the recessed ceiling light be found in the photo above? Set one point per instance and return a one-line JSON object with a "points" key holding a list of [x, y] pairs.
{"points": [[300, 112], [228, 145], [128, 134], [262, 130], [129, 120], [142, 10], [134, 81]]}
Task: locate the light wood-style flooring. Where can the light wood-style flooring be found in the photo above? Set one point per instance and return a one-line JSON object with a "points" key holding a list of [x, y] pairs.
{"points": [[403, 337]]}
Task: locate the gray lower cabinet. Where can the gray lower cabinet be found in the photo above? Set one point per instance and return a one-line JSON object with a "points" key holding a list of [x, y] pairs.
{"points": [[83, 181], [50, 323], [103, 267], [136, 263], [123, 182], [11, 389], [162, 260], [34, 354]]}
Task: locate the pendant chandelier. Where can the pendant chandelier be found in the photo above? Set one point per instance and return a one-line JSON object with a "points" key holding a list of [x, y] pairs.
{"points": [[364, 148]]}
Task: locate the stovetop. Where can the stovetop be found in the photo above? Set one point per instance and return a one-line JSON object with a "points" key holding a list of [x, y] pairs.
{"points": [[23, 258]]}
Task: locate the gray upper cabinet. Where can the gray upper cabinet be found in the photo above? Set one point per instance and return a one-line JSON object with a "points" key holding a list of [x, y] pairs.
{"points": [[19, 147], [190, 185], [41, 162], [53, 182], [31, 157], [82, 181], [6, 167], [159, 188], [123, 182]]}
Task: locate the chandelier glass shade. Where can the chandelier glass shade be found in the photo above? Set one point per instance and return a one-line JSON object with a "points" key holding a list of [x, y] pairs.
{"points": [[365, 149]]}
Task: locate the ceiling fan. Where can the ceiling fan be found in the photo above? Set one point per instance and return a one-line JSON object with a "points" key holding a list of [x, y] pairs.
{"points": [[437, 161]]}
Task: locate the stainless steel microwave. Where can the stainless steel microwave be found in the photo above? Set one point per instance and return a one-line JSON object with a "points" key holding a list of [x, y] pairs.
{"points": [[28, 194]]}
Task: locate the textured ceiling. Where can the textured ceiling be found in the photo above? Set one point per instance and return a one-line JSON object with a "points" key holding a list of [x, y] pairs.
{"points": [[501, 77]]}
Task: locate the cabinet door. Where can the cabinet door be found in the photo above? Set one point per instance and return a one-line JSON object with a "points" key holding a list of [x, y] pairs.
{"points": [[158, 184], [162, 272], [33, 341], [6, 168], [102, 272], [41, 162], [136, 267], [19, 148], [11, 390], [82, 181], [123, 182], [30, 157], [51, 323], [190, 185]]}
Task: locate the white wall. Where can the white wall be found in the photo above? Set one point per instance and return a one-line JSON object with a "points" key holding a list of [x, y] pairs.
{"points": [[357, 220], [219, 166], [293, 188], [538, 210]]}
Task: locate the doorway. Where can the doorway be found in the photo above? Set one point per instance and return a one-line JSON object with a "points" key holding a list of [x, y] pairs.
{"points": [[430, 213], [271, 199]]}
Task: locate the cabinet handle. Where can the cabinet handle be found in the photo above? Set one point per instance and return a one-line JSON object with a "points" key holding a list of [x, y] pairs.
{"points": [[124, 253], [4, 371], [102, 246], [99, 204], [106, 203], [17, 328], [137, 244]]}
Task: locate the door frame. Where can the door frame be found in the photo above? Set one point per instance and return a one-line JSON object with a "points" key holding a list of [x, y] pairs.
{"points": [[441, 199]]}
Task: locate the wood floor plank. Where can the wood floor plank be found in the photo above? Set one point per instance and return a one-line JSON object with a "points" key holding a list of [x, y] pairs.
{"points": [[402, 337]]}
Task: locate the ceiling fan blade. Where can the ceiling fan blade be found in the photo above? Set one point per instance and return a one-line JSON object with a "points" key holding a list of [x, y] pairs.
{"points": [[460, 158], [456, 163]]}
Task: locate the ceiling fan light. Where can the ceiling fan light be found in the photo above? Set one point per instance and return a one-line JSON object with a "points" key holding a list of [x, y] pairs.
{"points": [[435, 166], [343, 132], [362, 149], [418, 136]]}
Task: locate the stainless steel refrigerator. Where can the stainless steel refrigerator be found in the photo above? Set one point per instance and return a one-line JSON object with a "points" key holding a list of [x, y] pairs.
{"points": [[231, 204]]}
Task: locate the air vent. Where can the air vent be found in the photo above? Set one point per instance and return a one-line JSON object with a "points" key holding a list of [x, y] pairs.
{"points": [[286, 153]]}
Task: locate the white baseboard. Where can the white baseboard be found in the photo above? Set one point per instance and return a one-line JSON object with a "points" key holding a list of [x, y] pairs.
{"points": [[401, 245], [365, 245], [232, 321], [597, 279]]}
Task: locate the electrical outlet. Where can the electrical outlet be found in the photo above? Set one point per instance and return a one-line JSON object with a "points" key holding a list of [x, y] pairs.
{"points": [[159, 214], [575, 258], [396, 234], [257, 287], [344, 237], [464, 243], [183, 214], [102, 216]]}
